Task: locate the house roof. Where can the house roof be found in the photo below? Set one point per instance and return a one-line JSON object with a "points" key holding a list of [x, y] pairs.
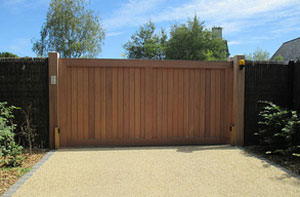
{"points": [[289, 50]]}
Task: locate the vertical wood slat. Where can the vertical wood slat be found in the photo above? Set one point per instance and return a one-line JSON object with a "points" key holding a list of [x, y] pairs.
{"points": [[218, 103], [97, 103], [108, 99], [170, 103], [85, 104], [91, 93], [148, 103], [103, 103], [132, 102], [159, 109], [120, 99], [202, 103], [137, 104], [142, 91], [197, 103], [207, 102], [154, 104], [186, 104], [181, 103], [69, 106], [226, 100], [145, 103], [80, 104], [175, 102], [222, 104], [74, 104], [213, 104], [191, 103], [114, 103], [165, 103], [126, 104]]}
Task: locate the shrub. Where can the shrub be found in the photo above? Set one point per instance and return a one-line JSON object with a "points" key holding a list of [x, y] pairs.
{"points": [[279, 130], [10, 152], [28, 129]]}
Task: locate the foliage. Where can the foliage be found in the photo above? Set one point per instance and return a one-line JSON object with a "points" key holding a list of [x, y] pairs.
{"points": [[192, 41], [145, 44], [279, 130], [278, 58], [258, 55], [10, 152], [28, 130], [7, 54], [70, 29]]}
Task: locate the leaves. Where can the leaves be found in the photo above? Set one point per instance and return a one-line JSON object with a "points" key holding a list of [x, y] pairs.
{"points": [[258, 55], [279, 129], [192, 41], [10, 152], [145, 44], [7, 54], [189, 41], [70, 29]]}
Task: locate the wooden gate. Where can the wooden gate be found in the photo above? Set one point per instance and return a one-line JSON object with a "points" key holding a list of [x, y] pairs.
{"points": [[143, 102]]}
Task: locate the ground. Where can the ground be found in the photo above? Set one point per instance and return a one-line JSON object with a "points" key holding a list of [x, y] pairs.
{"points": [[8, 176], [159, 171], [291, 163]]}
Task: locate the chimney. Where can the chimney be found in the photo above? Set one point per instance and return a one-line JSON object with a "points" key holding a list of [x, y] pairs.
{"points": [[217, 31]]}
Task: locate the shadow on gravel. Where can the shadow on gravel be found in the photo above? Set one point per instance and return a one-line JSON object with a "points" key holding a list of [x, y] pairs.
{"points": [[190, 149], [183, 149], [266, 164]]}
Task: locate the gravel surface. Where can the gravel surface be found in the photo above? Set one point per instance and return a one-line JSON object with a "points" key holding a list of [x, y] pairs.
{"points": [[159, 171]]}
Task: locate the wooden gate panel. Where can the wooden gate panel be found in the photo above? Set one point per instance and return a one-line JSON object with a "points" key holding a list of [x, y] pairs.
{"points": [[158, 103]]}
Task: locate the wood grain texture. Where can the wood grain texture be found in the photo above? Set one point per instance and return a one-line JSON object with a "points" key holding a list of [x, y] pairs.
{"points": [[152, 104], [97, 103]]}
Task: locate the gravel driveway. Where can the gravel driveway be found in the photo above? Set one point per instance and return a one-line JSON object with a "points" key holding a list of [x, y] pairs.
{"points": [[158, 171]]}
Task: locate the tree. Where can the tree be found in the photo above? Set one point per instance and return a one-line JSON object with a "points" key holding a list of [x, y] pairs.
{"points": [[70, 29], [192, 41], [278, 58], [258, 55], [7, 54], [145, 44]]}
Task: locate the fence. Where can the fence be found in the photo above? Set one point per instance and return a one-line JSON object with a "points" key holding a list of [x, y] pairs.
{"points": [[24, 81], [269, 81]]}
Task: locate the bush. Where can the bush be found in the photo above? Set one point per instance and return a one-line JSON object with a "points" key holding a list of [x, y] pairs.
{"points": [[279, 130], [10, 152]]}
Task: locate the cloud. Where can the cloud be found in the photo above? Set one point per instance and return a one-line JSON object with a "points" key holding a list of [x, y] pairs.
{"points": [[131, 13], [233, 15], [230, 43], [111, 34]]}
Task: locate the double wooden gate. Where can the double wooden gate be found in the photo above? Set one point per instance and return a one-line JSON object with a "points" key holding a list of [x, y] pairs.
{"points": [[143, 102]]}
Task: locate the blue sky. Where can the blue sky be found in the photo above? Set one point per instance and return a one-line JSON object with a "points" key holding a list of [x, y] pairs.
{"points": [[247, 24]]}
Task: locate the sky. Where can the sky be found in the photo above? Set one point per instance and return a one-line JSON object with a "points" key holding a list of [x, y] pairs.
{"points": [[247, 24]]}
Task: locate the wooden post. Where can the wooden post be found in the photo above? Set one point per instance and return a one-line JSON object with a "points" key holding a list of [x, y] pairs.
{"points": [[53, 59], [237, 133]]}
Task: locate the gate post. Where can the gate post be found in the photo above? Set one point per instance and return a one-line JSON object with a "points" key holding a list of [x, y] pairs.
{"points": [[237, 133], [53, 59]]}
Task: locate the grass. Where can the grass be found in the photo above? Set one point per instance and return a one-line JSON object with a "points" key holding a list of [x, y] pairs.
{"points": [[8, 176], [291, 163]]}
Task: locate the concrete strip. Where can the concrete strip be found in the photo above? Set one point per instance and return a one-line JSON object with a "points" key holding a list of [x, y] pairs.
{"points": [[159, 171], [26, 176]]}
